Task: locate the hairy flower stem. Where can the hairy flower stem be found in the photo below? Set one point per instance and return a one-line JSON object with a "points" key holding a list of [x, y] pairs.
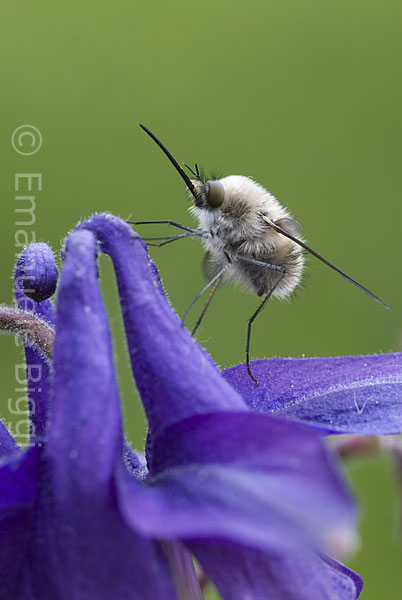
{"points": [[32, 329], [183, 572]]}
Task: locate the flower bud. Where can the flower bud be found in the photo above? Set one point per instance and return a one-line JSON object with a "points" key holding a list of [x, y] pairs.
{"points": [[37, 272]]}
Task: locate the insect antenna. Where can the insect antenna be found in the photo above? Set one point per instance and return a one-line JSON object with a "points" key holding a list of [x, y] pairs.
{"points": [[325, 261], [174, 162], [196, 173]]}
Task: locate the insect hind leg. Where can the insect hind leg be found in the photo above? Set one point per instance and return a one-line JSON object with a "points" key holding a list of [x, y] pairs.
{"points": [[250, 323]]}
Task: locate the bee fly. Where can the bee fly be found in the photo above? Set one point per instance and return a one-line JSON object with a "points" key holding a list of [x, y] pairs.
{"points": [[248, 237]]}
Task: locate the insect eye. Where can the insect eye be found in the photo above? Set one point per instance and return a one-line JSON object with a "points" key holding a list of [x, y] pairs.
{"points": [[216, 193]]}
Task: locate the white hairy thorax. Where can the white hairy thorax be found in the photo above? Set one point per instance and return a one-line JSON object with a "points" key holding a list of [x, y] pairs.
{"points": [[240, 227]]}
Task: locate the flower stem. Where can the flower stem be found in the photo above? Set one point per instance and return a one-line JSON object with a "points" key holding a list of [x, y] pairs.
{"points": [[32, 329], [183, 572]]}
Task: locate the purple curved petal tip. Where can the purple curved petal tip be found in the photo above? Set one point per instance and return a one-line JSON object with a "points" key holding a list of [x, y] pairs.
{"points": [[83, 369], [175, 376], [80, 546]]}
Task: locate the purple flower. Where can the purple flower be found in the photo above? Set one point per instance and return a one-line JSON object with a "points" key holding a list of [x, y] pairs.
{"points": [[255, 497]]}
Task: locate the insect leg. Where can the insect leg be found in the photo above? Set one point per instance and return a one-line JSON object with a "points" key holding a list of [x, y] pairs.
{"points": [[250, 322], [167, 239], [260, 263], [166, 222], [208, 302], [204, 289]]}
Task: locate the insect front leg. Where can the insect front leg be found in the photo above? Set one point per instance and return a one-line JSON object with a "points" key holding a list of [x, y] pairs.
{"points": [[151, 241], [168, 238], [167, 222]]}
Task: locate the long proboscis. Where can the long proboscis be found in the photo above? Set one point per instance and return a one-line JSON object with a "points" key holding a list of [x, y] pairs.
{"points": [[172, 159], [325, 261]]}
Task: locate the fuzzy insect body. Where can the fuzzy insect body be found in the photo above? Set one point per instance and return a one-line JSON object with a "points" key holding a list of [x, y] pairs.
{"points": [[248, 237], [241, 228]]}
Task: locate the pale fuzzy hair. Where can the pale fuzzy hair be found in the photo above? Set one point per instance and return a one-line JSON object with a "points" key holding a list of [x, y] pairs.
{"points": [[239, 223]]}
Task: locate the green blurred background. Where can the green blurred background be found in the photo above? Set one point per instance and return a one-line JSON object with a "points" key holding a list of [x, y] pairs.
{"points": [[304, 96]]}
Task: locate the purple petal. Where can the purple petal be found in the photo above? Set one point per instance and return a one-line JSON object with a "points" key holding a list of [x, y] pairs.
{"points": [[240, 572], [351, 394], [18, 481], [242, 477], [85, 437], [8, 445], [175, 376], [80, 546], [89, 552], [19, 477], [36, 272]]}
